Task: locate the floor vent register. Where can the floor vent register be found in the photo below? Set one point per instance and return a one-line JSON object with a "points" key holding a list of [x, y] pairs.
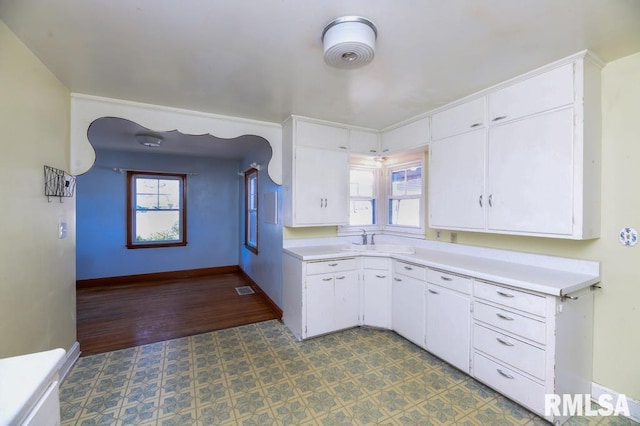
{"points": [[242, 291]]}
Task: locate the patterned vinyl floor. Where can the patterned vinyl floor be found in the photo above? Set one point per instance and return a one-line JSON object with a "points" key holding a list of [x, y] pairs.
{"points": [[259, 375]]}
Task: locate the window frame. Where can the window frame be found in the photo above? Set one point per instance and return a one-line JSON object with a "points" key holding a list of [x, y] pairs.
{"points": [[250, 174], [399, 163], [364, 163], [132, 175]]}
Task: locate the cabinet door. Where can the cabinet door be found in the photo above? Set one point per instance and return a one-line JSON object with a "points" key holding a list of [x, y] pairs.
{"points": [[539, 93], [448, 325], [321, 136], [458, 119], [411, 135], [456, 181], [319, 304], [407, 308], [321, 189], [530, 174], [363, 142], [346, 300], [376, 295]]}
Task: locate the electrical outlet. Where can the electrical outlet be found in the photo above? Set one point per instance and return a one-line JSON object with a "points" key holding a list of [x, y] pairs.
{"points": [[454, 237], [438, 235]]}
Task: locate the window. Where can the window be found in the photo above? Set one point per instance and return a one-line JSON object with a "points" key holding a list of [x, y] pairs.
{"points": [[405, 196], [395, 183], [362, 192], [156, 210], [251, 210]]}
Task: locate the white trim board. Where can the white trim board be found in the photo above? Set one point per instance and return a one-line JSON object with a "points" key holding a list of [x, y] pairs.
{"points": [[70, 359], [634, 405]]}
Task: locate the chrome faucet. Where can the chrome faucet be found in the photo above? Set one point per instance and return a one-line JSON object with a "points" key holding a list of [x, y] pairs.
{"points": [[364, 237]]}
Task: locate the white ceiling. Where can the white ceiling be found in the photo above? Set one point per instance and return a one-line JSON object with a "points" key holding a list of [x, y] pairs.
{"points": [[262, 59]]}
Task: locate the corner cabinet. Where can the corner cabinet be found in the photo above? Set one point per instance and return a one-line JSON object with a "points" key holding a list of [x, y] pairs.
{"points": [[315, 172], [522, 158]]}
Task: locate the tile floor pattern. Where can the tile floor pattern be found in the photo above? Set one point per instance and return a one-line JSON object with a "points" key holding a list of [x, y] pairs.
{"points": [[259, 375]]}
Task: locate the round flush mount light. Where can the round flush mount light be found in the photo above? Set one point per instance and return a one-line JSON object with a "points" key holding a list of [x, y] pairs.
{"points": [[150, 140], [349, 42]]}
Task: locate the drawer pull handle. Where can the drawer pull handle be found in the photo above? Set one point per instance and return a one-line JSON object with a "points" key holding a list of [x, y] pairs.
{"points": [[503, 294], [502, 373], [327, 279], [433, 291], [397, 279], [333, 264], [504, 317], [381, 276], [502, 117], [408, 268], [476, 125], [504, 342], [340, 278], [342, 147], [480, 200], [446, 278]]}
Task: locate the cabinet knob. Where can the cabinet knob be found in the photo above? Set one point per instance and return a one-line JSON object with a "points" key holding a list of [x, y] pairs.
{"points": [[341, 277], [443, 278], [381, 276], [504, 342], [433, 291], [502, 117], [476, 125], [490, 200], [333, 264], [327, 279], [397, 279], [408, 268], [480, 200]]}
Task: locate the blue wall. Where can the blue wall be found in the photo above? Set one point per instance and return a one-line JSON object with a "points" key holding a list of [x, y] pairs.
{"points": [[265, 267], [213, 209]]}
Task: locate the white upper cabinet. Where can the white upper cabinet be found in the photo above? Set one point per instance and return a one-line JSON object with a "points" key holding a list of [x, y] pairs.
{"points": [[319, 135], [408, 136], [315, 174], [458, 119], [534, 167], [542, 92], [364, 142], [457, 181]]}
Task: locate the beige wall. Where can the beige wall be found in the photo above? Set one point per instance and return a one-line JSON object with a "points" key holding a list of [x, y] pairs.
{"points": [[37, 270], [617, 305]]}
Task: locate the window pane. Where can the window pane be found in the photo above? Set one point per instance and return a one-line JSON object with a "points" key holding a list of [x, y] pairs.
{"points": [[398, 183], [157, 194], [252, 237], [362, 212], [157, 226], [362, 183], [404, 212], [169, 194], [414, 181]]}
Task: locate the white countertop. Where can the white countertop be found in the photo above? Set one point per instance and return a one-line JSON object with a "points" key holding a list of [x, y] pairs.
{"points": [[536, 277], [23, 380]]}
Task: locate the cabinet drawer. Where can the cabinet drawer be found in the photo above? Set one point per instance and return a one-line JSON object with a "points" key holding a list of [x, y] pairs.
{"points": [[512, 351], [331, 266], [410, 270], [510, 383], [513, 299], [458, 119], [450, 281], [539, 93], [514, 323], [376, 263]]}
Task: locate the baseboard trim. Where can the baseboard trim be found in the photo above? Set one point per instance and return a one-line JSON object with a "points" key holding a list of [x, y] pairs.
{"points": [[156, 276], [70, 359], [634, 405], [274, 308]]}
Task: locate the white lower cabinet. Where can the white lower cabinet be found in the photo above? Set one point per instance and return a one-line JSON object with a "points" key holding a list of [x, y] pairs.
{"points": [[527, 345], [521, 343], [320, 297], [376, 292], [408, 307], [448, 319]]}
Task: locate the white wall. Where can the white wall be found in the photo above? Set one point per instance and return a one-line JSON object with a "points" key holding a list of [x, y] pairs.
{"points": [[37, 270]]}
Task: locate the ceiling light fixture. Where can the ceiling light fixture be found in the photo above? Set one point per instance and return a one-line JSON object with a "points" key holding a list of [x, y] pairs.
{"points": [[147, 139], [349, 42]]}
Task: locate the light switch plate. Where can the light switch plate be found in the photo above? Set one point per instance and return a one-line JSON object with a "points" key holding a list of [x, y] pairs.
{"points": [[62, 230]]}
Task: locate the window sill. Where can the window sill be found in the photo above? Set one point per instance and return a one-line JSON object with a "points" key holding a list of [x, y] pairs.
{"points": [[156, 245]]}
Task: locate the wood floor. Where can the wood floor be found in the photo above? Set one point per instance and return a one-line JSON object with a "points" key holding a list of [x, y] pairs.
{"points": [[122, 316]]}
